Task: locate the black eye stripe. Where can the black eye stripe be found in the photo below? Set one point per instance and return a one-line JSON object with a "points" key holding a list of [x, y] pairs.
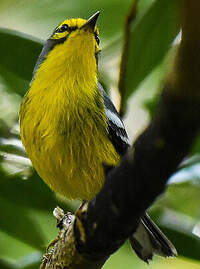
{"points": [[66, 27], [63, 28]]}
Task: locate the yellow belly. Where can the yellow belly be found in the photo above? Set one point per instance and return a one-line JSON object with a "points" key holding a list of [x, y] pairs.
{"points": [[71, 167], [68, 149]]}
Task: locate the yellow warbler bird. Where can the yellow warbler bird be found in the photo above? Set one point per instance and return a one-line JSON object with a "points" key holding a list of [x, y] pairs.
{"points": [[70, 128]]}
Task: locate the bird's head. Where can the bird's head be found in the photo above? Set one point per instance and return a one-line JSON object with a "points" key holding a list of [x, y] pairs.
{"points": [[74, 30], [72, 40]]}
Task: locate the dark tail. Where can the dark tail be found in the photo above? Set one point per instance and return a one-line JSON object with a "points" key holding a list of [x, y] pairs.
{"points": [[149, 240]]}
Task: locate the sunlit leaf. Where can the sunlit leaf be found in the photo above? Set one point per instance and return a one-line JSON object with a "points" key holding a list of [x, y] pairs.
{"points": [[177, 193], [12, 149], [31, 261], [189, 162]]}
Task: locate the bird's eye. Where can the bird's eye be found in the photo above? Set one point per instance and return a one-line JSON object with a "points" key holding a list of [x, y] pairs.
{"points": [[97, 38], [63, 28]]}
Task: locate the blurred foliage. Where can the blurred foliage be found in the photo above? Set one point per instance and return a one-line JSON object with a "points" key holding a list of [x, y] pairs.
{"points": [[26, 203], [145, 33]]}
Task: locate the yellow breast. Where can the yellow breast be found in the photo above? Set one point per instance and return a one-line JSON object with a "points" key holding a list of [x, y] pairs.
{"points": [[64, 130]]}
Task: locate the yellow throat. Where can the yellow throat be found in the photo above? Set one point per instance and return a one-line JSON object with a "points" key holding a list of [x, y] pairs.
{"points": [[62, 117]]}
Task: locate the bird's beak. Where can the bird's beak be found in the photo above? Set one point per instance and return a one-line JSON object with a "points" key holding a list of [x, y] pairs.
{"points": [[91, 22]]}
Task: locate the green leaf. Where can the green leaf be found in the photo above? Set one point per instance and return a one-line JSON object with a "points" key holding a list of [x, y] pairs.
{"points": [[183, 242], [150, 41], [13, 149], [151, 106], [11, 81], [177, 214], [196, 145], [183, 198], [23, 52], [6, 265], [30, 261], [15, 221], [4, 129], [190, 162], [179, 229], [35, 192]]}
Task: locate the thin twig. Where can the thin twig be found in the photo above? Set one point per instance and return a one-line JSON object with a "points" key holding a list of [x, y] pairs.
{"points": [[127, 31]]}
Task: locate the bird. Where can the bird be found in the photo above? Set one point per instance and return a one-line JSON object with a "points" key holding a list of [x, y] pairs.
{"points": [[70, 128]]}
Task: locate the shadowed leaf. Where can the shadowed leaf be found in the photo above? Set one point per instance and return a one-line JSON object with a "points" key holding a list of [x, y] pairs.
{"points": [[15, 221], [179, 229], [32, 192], [22, 55], [6, 265]]}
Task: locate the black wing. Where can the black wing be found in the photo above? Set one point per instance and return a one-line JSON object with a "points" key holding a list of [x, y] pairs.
{"points": [[117, 132]]}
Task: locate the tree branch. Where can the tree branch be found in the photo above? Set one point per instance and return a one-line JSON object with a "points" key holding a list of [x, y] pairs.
{"points": [[101, 226]]}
